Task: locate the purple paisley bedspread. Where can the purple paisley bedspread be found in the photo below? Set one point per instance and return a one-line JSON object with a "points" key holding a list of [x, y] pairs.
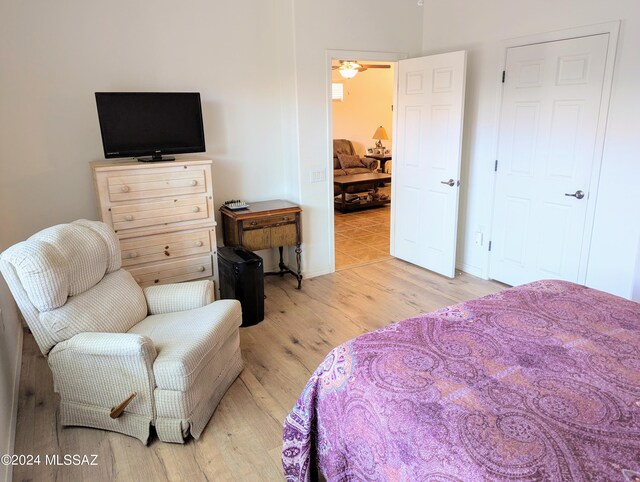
{"points": [[535, 383]]}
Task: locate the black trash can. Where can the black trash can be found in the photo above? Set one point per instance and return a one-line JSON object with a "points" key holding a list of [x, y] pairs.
{"points": [[242, 278]]}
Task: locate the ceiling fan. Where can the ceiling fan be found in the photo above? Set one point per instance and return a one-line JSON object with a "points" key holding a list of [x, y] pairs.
{"points": [[349, 68]]}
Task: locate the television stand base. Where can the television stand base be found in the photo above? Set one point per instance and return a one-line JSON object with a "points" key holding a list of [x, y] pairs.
{"points": [[155, 159]]}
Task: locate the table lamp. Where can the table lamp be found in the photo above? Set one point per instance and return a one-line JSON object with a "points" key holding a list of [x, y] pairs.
{"points": [[380, 135]]}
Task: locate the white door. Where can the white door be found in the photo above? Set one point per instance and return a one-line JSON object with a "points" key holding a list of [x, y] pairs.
{"points": [[548, 129], [426, 163]]}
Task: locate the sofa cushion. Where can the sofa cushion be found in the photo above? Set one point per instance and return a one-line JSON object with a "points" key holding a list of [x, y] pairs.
{"points": [[341, 146], [186, 340], [114, 305], [348, 161], [357, 170]]}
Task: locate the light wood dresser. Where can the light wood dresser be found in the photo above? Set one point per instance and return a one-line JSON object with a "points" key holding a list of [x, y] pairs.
{"points": [[163, 215]]}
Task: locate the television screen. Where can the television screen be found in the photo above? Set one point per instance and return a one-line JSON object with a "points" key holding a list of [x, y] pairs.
{"points": [[150, 123]]}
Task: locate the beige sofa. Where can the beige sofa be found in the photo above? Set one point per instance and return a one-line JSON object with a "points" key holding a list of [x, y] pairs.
{"points": [[344, 146]]}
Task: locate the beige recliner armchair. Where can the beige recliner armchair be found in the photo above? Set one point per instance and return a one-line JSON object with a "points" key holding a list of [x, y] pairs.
{"points": [[106, 338]]}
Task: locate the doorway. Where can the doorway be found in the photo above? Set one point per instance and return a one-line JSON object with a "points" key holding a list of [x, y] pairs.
{"points": [[362, 133]]}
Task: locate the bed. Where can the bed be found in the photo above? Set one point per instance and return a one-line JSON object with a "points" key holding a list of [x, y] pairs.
{"points": [[534, 383]]}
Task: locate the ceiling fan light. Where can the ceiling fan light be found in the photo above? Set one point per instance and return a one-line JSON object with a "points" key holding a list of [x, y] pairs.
{"points": [[348, 73], [348, 68]]}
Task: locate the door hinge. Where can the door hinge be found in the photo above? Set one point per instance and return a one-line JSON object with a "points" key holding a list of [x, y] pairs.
{"points": [[504, 75], [495, 167], [489, 245]]}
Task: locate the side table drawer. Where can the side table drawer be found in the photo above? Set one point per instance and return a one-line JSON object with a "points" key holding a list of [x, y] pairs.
{"points": [[283, 235], [267, 221], [173, 271], [269, 237], [147, 249]]}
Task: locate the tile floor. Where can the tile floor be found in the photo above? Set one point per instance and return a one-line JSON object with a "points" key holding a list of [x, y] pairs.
{"points": [[362, 236]]}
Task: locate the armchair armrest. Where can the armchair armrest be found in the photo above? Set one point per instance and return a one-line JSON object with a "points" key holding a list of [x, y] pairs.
{"points": [[108, 344], [370, 163], [95, 372], [178, 296]]}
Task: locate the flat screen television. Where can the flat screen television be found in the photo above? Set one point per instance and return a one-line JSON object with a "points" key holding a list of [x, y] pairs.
{"points": [[138, 124]]}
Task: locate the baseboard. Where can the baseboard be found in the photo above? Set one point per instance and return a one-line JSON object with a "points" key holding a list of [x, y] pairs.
{"points": [[469, 269], [313, 274], [8, 475]]}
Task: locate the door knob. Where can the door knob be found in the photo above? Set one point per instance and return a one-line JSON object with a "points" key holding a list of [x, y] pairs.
{"points": [[577, 194], [450, 182]]}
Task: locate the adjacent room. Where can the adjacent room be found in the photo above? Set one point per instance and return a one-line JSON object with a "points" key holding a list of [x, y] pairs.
{"points": [[362, 105], [297, 240]]}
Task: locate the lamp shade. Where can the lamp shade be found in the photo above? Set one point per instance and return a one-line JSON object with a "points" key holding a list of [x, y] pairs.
{"points": [[380, 134]]}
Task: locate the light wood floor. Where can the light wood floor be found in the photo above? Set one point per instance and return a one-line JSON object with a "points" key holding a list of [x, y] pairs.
{"points": [[242, 440]]}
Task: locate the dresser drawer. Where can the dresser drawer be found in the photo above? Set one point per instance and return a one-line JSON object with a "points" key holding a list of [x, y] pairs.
{"points": [[163, 247], [131, 216], [127, 186], [173, 271]]}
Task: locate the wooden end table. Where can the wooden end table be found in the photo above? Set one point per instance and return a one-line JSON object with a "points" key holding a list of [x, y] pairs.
{"points": [[264, 225]]}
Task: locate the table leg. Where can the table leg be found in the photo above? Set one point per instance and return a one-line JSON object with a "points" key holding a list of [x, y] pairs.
{"points": [[344, 199], [299, 275], [281, 264]]}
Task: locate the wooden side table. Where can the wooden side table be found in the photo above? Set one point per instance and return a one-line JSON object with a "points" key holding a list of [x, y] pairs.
{"points": [[265, 225]]}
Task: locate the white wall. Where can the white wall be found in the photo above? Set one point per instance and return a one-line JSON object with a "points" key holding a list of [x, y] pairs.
{"points": [[356, 25], [10, 358], [479, 27], [367, 103], [54, 56]]}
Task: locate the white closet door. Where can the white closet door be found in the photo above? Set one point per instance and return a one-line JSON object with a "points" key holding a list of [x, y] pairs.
{"points": [[548, 128], [426, 164]]}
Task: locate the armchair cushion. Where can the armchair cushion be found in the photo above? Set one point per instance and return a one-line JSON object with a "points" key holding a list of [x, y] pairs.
{"points": [[185, 340], [114, 305], [341, 146], [63, 260], [349, 160], [178, 296]]}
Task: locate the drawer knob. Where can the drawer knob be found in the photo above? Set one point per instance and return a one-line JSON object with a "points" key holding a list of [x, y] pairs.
{"points": [[194, 183], [133, 255], [199, 243], [196, 209], [128, 217], [285, 218], [124, 188], [201, 269], [254, 223]]}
